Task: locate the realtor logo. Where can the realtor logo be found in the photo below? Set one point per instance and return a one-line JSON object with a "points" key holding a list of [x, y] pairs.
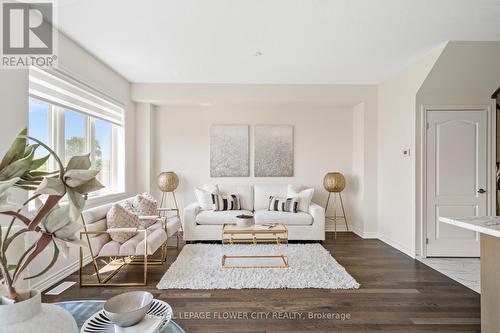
{"points": [[27, 34]]}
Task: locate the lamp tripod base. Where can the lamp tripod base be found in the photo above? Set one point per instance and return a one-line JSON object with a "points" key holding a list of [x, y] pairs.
{"points": [[336, 217], [174, 209]]}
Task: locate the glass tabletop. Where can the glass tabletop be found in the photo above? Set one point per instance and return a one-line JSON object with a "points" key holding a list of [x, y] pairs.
{"points": [[83, 310]]}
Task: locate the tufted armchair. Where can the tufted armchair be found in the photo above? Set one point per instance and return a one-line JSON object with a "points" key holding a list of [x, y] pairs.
{"points": [[144, 244]]}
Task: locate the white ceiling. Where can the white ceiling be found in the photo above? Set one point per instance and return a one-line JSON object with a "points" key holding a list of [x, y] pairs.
{"points": [[300, 41]]}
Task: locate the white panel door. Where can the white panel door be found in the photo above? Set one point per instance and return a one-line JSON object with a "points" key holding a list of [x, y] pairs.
{"points": [[456, 179]]}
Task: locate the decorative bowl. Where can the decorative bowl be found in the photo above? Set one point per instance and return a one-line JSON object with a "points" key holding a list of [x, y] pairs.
{"points": [[129, 308], [244, 220]]}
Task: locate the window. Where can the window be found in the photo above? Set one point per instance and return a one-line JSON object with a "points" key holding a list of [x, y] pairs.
{"points": [[39, 115], [103, 145], [71, 129], [75, 134]]}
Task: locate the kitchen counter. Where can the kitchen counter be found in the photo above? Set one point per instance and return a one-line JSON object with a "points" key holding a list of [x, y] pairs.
{"points": [[489, 229]]}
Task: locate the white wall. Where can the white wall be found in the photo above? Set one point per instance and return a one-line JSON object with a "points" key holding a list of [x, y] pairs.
{"points": [[358, 214], [13, 109], [78, 63], [396, 173], [322, 143], [323, 117], [145, 147], [465, 74]]}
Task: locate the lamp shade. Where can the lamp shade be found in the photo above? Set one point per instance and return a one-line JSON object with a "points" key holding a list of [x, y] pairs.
{"points": [[168, 181], [334, 182]]}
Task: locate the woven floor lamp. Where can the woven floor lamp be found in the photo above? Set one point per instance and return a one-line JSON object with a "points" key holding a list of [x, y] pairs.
{"points": [[167, 183], [334, 182]]}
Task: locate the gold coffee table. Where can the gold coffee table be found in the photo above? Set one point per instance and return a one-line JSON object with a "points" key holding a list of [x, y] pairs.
{"points": [[254, 234]]}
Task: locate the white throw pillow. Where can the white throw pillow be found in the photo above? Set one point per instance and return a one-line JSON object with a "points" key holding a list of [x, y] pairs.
{"points": [[304, 197], [204, 195]]}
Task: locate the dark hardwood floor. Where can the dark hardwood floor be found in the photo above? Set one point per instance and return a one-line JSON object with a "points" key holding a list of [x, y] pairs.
{"points": [[397, 294]]}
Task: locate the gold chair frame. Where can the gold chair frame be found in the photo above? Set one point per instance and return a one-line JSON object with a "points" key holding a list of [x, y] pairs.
{"points": [[126, 260]]}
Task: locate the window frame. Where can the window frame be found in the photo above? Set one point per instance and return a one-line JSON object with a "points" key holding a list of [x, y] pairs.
{"points": [[57, 141]]}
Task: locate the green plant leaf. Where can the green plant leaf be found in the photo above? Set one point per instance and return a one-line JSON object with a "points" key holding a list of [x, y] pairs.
{"points": [[36, 176], [28, 178], [38, 247], [77, 177], [76, 204], [17, 168], [27, 187], [51, 186], [49, 266], [30, 148], [29, 182], [11, 267], [89, 187], [5, 203], [16, 150], [38, 162], [81, 162]]}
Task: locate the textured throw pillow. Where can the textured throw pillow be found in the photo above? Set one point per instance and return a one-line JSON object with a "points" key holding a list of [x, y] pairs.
{"points": [[303, 196], [225, 202], [204, 195], [283, 204], [145, 205], [120, 217], [128, 205]]}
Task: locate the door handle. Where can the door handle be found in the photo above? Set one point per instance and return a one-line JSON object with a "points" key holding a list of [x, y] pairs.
{"points": [[481, 190]]}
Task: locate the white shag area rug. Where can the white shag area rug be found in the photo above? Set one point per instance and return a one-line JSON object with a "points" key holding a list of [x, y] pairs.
{"points": [[198, 266]]}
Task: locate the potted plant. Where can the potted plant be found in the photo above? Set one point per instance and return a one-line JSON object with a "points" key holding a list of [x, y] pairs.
{"points": [[51, 224]]}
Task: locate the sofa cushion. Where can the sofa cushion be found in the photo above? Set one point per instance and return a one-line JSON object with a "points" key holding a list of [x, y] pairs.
{"points": [[110, 249], [265, 216], [96, 214], [204, 195], [208, 217], [304, 196], [135, 245], [245, 193], [263, 192]]}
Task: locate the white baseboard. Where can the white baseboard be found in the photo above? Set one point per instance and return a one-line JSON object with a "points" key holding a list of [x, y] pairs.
{"points": [[356, 230], [51, 280], [375, 235], [340, 228], [398, 246], [364, 234]]}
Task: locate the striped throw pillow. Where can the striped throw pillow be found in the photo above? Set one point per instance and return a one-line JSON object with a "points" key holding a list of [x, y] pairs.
{"points": [[283, 204], [226, 202]]}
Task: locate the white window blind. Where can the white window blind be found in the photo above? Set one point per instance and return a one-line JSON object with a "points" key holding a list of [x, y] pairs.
{"points": [[57, 88]]}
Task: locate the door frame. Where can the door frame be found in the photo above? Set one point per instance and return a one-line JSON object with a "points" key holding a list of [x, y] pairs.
{"points": [[422, 183]]}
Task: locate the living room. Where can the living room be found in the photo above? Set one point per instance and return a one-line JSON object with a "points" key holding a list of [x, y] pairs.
{"points": [[280, 166]]}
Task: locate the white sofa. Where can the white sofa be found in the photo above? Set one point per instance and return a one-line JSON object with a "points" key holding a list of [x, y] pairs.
{"points": [[206, 225]]}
